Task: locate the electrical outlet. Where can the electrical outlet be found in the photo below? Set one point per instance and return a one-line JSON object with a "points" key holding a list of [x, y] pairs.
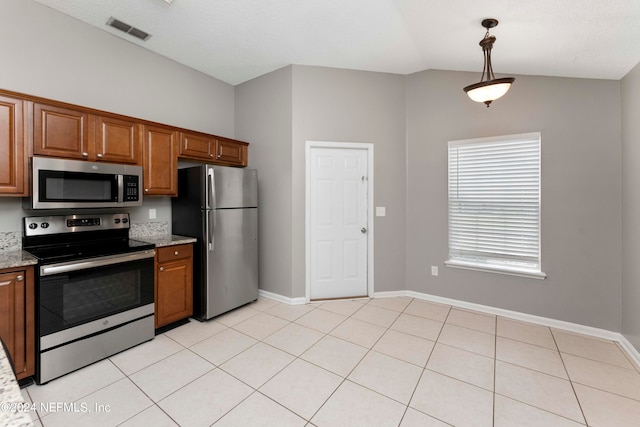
{"points": [[434, 270], [152, 214], [381, 211]]}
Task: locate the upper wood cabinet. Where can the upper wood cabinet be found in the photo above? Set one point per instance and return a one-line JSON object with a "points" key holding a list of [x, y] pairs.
{"points": [[213, 149], [117, 140], [75, 134], [31, 125], [197, 146], [160, 160], [13, 170], [231, 152]]}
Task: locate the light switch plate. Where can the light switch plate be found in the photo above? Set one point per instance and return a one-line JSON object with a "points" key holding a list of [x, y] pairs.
{"points": [[381, 211], [152, 214]]}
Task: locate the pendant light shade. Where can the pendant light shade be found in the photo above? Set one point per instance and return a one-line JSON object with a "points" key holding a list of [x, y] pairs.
{"points": [[489, 88]]}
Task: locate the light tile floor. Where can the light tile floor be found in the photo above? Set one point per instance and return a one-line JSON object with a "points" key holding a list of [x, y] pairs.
{"points": [[381, 362]]}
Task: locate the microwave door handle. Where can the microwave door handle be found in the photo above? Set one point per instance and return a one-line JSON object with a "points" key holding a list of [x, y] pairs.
{"points": [[120, 179]]}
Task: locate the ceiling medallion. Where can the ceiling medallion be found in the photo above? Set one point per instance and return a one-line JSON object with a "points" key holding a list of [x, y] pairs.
{"points": [[489, 88]]}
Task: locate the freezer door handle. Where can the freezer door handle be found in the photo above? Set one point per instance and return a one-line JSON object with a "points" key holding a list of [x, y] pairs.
{"points": [[212, 188]]}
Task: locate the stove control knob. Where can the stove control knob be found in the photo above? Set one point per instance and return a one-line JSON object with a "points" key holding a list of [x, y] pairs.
{"points": [[125, 220], [33, 226], [117, 220], [44, 225]]}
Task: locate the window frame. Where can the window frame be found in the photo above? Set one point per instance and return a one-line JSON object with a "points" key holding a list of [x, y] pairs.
{"points": [[496, 264]]}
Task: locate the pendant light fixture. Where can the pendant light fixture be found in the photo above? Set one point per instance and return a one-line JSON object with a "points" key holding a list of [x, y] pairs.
{"points": [[489, 88]]}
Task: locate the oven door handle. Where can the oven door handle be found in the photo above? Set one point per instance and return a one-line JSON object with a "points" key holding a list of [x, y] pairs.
{"points": [[65, 267]]}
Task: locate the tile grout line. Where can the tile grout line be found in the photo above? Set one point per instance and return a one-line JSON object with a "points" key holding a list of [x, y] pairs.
{"points": [[344, 379], [424, 369], [295, 357], [584, 417]]}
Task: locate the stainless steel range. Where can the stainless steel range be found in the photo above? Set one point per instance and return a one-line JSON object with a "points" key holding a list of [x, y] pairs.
{"points": [[94, 289]]}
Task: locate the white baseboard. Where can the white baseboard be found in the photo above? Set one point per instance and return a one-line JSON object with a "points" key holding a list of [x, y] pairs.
{"points": [[281, 298], [617, 337], [545, 321], [633, 353]]}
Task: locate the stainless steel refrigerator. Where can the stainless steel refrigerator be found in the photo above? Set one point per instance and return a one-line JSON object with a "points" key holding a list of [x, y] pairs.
{"points": [[218, 205]]}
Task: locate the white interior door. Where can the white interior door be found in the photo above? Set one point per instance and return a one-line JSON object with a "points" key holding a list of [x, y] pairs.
{"points": [[338, 222]]}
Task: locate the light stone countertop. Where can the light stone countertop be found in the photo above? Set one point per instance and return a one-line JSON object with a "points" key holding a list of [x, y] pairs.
{"points": [[158, 234], [16, 258], [13, 410], [167, 240]]}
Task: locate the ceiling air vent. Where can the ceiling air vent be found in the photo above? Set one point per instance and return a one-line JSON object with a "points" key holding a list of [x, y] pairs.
{"points": [[135, 32]]}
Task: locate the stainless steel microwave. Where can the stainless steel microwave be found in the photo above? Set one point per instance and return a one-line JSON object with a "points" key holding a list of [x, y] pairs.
{"points": [[70, 184]]}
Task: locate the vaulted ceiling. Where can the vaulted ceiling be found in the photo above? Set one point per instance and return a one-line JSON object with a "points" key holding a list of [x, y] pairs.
{"points": [[237, 40]]}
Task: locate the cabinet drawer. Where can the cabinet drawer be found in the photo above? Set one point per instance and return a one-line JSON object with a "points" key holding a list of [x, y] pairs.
{"points": [[172, 253]]}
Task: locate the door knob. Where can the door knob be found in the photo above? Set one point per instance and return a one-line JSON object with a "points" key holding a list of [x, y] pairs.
{"points": [[363, 230]]}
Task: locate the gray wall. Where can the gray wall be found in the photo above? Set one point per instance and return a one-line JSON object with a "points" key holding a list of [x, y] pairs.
{"points": [[278, 113], [354, 106], [263, 117], [581, 192], [631, 207], [48, 54]]}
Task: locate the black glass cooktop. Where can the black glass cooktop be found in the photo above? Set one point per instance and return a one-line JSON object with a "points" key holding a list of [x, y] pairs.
{"points": [[79, 250]]}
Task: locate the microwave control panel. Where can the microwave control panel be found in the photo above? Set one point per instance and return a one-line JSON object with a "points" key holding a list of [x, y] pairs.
{"points": [[131, 188]]}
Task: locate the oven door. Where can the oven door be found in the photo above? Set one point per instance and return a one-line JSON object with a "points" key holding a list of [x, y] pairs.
{"points": [[84, 297]]}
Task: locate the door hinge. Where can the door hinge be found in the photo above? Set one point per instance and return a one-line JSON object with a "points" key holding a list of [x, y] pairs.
{"points": [[364, 178]]}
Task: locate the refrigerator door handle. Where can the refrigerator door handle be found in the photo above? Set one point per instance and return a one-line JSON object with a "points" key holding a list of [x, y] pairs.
{"points": [[211, 190], [210, 230]]}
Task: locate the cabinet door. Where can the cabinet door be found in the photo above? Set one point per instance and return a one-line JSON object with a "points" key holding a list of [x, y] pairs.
{"points": [[117, 140], [8, 311], [17, 319], [60, 132], [12, 158], [231, 152], [197, 146], [160, 161], [174, 292]]}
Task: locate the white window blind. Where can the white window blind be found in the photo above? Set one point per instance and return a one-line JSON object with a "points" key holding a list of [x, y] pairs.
{"points": [[494, 204]]}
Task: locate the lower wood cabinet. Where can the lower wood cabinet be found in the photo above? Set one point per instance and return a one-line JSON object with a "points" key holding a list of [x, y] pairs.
{"points": [[174, 284], [17, 318]]}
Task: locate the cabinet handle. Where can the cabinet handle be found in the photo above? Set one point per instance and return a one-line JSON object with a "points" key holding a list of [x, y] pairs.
{"points": [[8, 282], [146, 190], [20, 278], [85, 154], [210, 155], [99, 155], [176, 253], [161, 268]]}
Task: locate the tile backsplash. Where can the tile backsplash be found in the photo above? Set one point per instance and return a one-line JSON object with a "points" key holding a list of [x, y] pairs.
{"points": [[10, 240], [148, 229]]}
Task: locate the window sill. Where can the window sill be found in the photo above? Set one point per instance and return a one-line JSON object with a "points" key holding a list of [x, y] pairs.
{"points": [[511, 271]]}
